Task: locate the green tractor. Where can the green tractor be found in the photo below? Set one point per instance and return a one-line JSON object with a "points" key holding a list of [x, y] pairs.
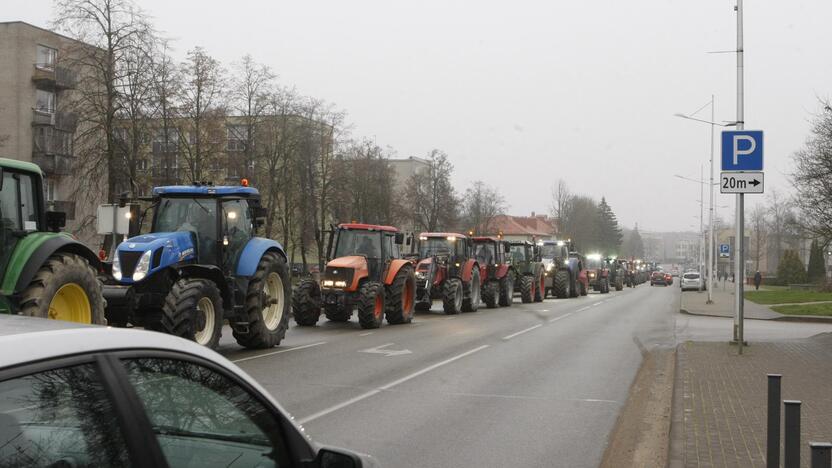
{"points": [[530, 279], [45, 273]]}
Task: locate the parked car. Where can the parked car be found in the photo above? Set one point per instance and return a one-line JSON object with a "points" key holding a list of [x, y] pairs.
{"points": [[658, 277], [669, 278], [691, 280], [84, 395]]}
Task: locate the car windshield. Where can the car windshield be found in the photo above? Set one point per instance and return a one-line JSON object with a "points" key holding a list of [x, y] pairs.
{"points": [[435, 246], [691, 276], [357, 242], [485, 253]]}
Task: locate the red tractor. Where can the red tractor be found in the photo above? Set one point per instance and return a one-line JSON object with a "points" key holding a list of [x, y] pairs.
{"points": [[582, 283], [496, 272], [598, 273], [447, 270], [364, 271]]}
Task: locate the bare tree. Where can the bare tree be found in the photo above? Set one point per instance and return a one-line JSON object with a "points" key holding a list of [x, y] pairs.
{"points": [[250, 94], [202, 123], [779, 209], [167, 86], [759, 234], [481, 204], [430, 201], [561, 201], [813, 173]]}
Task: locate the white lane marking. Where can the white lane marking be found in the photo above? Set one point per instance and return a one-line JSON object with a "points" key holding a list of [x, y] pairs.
{"points": [[594, 400], [366, 334], [545, 310], [386, 352], [388, 386], [598, 303], [508, 337], [449, 318], [279, 352], [560, 317], [583, 309]]}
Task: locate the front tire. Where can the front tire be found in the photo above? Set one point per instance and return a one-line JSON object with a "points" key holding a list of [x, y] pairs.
{"points": [[64, 288], [471, 292], [490, 291], [540, 291], [306, 303], [527, 289], [452, 296], [506, 290], [562, 283], [267, 304], [193, 310], [401, 297], [370, 305]]}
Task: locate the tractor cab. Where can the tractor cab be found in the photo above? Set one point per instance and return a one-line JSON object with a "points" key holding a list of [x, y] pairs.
{"points": [[523, 252], [553, 253], [364, 249]]}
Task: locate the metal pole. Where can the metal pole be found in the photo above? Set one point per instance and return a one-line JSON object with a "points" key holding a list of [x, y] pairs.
{"points": [[711, 263], [791, 434], [701, 227], [821, 454], [739, 268], [773, 422]]}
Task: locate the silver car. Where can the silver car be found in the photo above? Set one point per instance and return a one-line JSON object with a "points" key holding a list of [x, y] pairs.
{"points": [[691, 280], [78, 396]]}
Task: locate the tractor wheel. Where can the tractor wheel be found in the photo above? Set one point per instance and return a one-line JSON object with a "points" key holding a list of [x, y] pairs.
{"points": [[582, 287], [507, 290], [540, 291], [619, 285], [267, 304], [306, 303], [471, 293], [489, 294], [527, 289], [452, 296], [574, 286], [337, 313], [561, 286], [193, 310], [423, 306], [401, 297], [65, 288], [371, 305]]}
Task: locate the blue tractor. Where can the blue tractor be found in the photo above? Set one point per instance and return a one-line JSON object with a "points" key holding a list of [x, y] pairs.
{"points": [[200, 265]]}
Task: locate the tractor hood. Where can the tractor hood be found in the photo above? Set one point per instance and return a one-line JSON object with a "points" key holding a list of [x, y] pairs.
{"points": [[356, 262], [166, 248]]}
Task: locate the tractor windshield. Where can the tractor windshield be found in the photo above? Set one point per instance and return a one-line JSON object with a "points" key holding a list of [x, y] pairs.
{"points": [[549, 250], [193, 215], [354, 242], [594, 263], [485, 253], [518, 253], [435, 246]]}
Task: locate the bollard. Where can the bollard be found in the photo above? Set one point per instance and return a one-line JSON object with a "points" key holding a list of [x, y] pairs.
{"points": [[773, 429], [791, 434], [821, 454]]}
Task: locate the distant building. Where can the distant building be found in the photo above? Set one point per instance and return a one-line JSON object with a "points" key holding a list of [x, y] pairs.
{"points": [[36, 119], [407, 168], [531, 228]]}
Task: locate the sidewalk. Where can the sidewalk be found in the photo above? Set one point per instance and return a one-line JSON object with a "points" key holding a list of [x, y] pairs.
{"points": [[719, 401]]}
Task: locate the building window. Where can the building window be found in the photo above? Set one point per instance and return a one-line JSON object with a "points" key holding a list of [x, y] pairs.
{"points": [[237, 136], [46, 57], [141, 164], [49, 189], [45, 101], [161, 146]]}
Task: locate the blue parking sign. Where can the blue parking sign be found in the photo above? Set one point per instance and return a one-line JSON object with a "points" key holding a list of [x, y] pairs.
{"points": [[724, 250], [742, 150]]}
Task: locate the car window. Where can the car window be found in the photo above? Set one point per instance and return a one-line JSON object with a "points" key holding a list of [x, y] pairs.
{"points": [[691, 276], [202, 418], [60, 417]]}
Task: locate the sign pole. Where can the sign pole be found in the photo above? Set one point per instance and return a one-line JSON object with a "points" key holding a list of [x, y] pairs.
{"points": [[739, 275], [711, 244]]}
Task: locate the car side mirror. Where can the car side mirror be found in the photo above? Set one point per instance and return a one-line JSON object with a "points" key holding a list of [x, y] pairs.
{"points": [[399, 238], [55, 220], [337, 458]]}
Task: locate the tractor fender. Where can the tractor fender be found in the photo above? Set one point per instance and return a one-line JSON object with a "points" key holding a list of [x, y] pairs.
{"points": [[502, 270], [394, 268], [253, 252], [32, 252], [468, 269], [209, 272]]}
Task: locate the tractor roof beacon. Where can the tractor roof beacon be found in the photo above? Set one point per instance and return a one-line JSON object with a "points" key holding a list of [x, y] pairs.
{"points": [[365, 271], [43, 273], [200, 264]]}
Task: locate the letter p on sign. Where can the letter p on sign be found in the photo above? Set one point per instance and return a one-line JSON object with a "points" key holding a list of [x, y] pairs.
{"points": [[742, 150]]}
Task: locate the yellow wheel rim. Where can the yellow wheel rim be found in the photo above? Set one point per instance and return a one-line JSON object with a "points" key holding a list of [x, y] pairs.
{"points": [[70, 303]]}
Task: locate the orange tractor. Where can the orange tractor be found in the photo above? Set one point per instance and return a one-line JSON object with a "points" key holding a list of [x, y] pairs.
{"points": [[447, 270], [365, 271]]}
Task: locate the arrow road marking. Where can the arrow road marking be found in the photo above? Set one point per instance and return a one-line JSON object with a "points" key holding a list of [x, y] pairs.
{"points": [[386, 352]]}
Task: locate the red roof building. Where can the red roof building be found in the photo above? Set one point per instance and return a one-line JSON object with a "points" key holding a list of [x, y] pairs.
{"points": [[531, 228]]}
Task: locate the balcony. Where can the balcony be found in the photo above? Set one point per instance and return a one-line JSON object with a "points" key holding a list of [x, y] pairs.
{"points": [[53, 164], [66, 121], [65, 206], [49, 76]]}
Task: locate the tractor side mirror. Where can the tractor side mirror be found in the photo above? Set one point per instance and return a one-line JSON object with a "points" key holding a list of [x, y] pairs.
{"points": [[507, 248], [55, 220], [409, 240], [399, 238], [1, 178], [259, 214]]}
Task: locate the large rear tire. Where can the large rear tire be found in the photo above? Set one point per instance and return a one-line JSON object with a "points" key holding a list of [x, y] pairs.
{"points": [[452, 296], [527, 289], [267, 304], [507, 290], [561, 286], [193, 310], [583, 289], [605, 286], [64, 288], [574, 286], [371, 305], [540, 290], [490, 291], [306, 303], [337, 313], [400, 297], [423, 306], [471, 291]]}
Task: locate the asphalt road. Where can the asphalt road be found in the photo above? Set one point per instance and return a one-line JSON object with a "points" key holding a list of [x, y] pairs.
{"points": [[530, 385]]}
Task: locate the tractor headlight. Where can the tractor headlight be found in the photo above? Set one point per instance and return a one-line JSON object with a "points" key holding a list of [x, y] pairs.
{"points": [[566, 262], [334, 284], [550, 266], [116, 267], [142, 267], [420, 275], [592, 274]]}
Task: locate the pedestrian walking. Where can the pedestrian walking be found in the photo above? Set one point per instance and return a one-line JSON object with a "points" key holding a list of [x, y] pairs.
{"points": [[758, 278]]}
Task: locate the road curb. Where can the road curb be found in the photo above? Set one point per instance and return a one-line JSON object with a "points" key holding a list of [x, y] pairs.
{"points": [[685, 311], [784, 318]]}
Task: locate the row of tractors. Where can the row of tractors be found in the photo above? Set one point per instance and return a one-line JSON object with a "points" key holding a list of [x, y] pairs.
{"points": [[200, 264]]}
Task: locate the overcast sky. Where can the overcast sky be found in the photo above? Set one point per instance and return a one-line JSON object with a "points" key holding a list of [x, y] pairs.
{"points": [[522, 93]]}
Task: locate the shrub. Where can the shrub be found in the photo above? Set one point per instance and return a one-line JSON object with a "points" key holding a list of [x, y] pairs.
{"points": [[790, 270]]}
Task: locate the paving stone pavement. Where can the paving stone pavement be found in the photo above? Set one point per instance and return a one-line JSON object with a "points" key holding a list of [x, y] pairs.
{"points": [[722, 398]]}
